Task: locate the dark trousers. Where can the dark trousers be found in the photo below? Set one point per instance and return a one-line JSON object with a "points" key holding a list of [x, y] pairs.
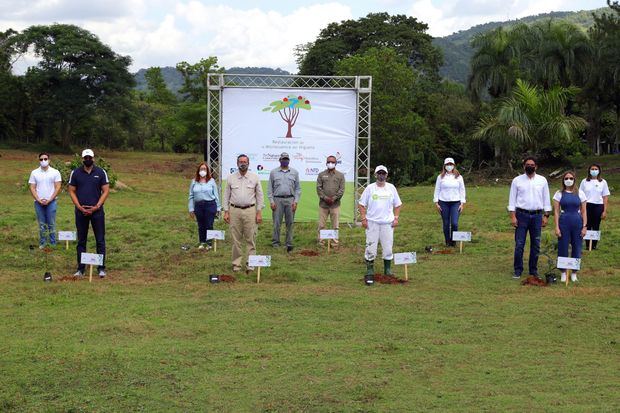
{"points": [[570, 227], [97, 221], [594, 212], [205, 212], [531, 223], [450, 217]]}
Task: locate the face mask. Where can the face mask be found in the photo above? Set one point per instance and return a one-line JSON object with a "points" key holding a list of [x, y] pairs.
{"points": [[44, 164], [87, 163], [449, 168], [202, 173], [243, 166], [381, 177], [284, 163], [530, 169], [331, 165], [594, 173], [569, 182]]}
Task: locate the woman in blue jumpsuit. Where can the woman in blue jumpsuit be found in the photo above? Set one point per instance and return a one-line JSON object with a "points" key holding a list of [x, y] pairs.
{"points": [[571, 220]]}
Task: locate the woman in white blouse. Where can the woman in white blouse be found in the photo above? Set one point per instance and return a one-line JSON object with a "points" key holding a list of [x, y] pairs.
{"points": [[597, 192], [449, 198]]}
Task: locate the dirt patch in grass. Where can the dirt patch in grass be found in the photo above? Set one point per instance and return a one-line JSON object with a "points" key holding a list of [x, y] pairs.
{"points": [[443, 252], [308, 253], [225, 278], [535, 281], [388, 279], [68, 278]]}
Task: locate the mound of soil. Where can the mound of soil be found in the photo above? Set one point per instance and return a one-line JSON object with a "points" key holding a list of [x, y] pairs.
{"points": [[388, 279], [224, 278], [309, 253], [444, 252], [68, 278], [534, 281]]}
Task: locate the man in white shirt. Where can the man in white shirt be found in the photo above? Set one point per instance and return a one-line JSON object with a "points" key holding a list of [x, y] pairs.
{"points": [[45, 183], [379, 207], [529, 205]]}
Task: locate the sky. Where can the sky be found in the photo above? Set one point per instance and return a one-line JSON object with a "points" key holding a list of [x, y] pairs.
{"points": [[250, 32]]}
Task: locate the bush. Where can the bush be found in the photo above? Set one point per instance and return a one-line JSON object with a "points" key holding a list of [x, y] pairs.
{"points": [[65, 168]]}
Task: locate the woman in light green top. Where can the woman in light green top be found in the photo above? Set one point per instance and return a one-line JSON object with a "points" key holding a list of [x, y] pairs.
{"points": [[204, 202]]}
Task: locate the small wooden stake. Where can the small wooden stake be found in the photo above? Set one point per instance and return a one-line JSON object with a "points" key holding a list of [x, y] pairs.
{"points": [[214, 245], [258, 276], [567, 276], [90, 275], [461, 246], [589, 245], [67, 244], [406, 273], [328, 245]]}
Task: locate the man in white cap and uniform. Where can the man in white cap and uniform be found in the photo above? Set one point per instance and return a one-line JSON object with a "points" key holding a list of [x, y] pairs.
{"points": [[379, 208]]}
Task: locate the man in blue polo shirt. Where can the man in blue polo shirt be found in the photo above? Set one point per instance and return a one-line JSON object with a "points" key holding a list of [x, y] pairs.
{"points": [[89, 188]]}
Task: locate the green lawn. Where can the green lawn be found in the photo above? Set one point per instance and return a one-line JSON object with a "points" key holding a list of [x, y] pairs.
{"points": [[157, 336]]}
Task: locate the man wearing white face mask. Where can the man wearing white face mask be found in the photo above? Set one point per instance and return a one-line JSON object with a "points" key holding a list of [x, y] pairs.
{"points": [[45, 183], [330, 188], [379, 207]]}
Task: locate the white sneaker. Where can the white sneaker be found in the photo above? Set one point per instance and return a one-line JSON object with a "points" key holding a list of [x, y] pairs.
{"points": [[563, 279], [102, 274], [201, 246], [78, 273], [573, 277]]}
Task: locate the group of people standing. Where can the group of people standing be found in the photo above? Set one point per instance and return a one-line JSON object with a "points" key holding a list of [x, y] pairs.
{"points": [[576, 210]]}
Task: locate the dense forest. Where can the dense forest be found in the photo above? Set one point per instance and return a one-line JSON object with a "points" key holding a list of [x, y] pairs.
{"points": [[545, 86]]}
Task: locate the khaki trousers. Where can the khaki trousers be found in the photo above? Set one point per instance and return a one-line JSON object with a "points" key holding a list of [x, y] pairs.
{"points": [[334, 216], [243, 230]]}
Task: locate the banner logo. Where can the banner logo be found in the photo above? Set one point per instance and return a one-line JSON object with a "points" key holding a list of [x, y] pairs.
{"points": [[288, 109]]}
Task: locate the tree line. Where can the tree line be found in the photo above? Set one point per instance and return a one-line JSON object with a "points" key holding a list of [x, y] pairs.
{"points": [[550, 89]]}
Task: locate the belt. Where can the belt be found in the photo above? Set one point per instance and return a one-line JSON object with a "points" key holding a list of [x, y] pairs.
{"points": [[205, 200], [242, 207], [283, 196], [533, 212]]}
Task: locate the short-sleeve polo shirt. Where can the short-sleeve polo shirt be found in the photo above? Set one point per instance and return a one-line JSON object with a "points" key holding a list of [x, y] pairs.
{"points": [[88, 185]]}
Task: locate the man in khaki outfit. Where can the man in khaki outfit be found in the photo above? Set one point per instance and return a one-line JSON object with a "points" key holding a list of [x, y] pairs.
{"points": [[243, 202], [330, 188]]}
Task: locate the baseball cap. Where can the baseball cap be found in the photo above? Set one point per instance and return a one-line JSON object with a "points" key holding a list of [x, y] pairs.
{"points": [[448, 160], [88, 152], [284, 155], [381, 168]]}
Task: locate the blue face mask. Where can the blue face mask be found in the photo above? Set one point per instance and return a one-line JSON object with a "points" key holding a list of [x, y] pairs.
{"points": [[284, 163], [594, 173]]}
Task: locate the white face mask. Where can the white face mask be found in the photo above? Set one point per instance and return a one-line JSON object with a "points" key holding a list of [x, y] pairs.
{"points": [[44, 164], [202, 173], [449, 168], [594, 173], [331, 165], [569, 182]]}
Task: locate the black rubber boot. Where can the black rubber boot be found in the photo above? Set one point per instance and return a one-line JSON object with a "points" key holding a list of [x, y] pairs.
{"points": [[387, 267], [370, 267]]}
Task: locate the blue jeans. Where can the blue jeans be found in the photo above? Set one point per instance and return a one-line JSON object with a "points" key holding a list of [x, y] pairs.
{"points": [[46, 215], [531, 223], [205, 212], [450, 217]]}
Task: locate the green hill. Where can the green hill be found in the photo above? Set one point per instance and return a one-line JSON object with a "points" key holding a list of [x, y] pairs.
{"points": [[458, 52]]}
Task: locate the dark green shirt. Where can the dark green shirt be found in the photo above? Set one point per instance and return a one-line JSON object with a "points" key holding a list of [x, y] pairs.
{"points": [[330, 184]]}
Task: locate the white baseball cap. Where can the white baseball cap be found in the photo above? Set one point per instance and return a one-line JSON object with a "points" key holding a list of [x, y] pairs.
{"points": [[88, 152], [381, 168], [448, 160]]}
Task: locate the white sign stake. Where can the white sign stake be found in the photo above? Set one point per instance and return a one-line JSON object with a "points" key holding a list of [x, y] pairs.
{"points": [[592, 236], [91, 260], [67, 236], [405, 258], [259, 261], [328, 234], [215, 235], [462, 237]]}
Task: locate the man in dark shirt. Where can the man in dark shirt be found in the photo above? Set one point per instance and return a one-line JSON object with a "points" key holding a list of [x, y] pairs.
{"points": [[89, 188]]}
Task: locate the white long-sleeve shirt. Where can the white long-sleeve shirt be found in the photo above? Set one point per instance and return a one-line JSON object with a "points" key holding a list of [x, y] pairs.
{"points": [[531, 194], [449, 189], [595, 190]]}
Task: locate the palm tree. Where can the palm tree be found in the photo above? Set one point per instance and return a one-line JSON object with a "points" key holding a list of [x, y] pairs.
{"points": [[495, 64], [529, 119]]}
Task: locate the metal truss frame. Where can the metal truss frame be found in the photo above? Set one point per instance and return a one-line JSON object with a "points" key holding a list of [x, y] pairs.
{"points": [[217, 82]]}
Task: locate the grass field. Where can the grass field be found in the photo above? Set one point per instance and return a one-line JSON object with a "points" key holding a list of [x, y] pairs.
{"points": [[157, 336]]}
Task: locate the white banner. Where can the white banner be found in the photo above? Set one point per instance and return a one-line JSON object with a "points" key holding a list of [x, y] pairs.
{"points": [[213, 234], [67, 235], [566, 263], [91, 259], [405, 258], [328, 234], [259, 260], [461, 236], [593, 235]]}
